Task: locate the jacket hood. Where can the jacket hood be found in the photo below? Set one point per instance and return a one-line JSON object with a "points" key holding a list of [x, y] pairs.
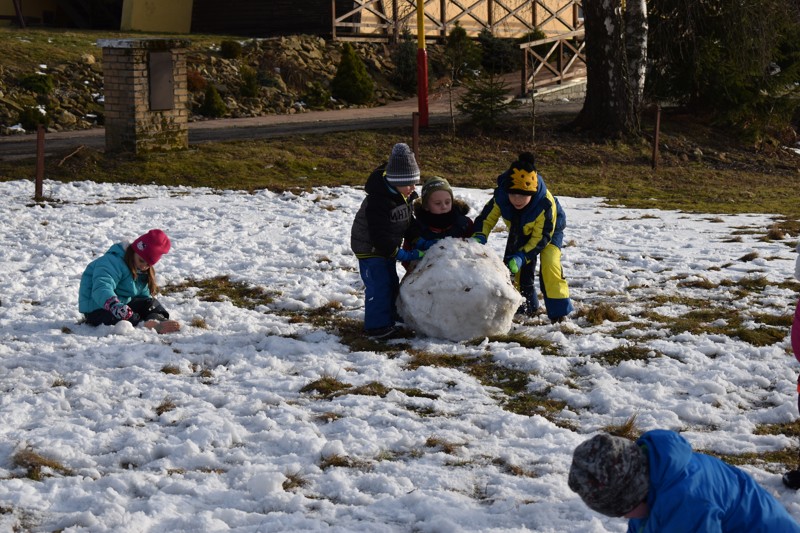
{"points": [[669, 454]]}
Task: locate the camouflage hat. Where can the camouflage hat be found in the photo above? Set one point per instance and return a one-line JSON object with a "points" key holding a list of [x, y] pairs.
{"points": [[610, 474]]}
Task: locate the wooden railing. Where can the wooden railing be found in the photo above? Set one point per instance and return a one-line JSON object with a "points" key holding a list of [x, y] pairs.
{"points": [[564, 59], [384, 20]]}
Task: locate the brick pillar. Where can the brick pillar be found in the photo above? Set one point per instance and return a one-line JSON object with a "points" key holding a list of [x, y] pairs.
{"points": [[146, 94]]}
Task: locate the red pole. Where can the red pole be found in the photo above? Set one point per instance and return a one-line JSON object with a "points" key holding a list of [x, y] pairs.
{"points": [[422, 66]]}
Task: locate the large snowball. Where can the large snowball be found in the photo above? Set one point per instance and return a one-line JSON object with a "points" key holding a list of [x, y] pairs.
{"points": [[460, 290]]}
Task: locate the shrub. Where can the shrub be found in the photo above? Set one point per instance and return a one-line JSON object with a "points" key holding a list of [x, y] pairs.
{"points": [[499, 55], [352, 82], [316, 96], [38, 83], [213, 106], [404, 56], [195, 81], [462, 55], [250, 85], [31, 117], [486, 101], [230, 49]]}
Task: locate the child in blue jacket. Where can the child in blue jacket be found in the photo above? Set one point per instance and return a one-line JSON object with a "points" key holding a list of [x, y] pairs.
{"points": [[120, 284], [536, 223], [662, 486]]}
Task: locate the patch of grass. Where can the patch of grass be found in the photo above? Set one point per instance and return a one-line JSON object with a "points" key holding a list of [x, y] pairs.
{"points": [[701, 283], [790, 429], [294, 481], [625, 352], [523, 340], [171, 369], [764, 336], [166, 405], [774, 460], [37, 465], [424, 358], [328, 417], [327, 386], [222, 288], [418, 393], [442, 444], [627, 429], [198, 322], [780, 321], [61, 382], [746, 258], [373, 388], [599, 313], [512, 469]]}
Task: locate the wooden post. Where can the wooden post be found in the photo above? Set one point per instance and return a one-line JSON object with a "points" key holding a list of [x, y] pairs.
{"points": [[395, 23], [37, 195], [415, 134], [333, 20], [655, 137], [523, 88], [443, 14], [18, 10]]}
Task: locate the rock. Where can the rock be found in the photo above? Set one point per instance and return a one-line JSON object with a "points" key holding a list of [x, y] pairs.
{"points": [[460, 290]]}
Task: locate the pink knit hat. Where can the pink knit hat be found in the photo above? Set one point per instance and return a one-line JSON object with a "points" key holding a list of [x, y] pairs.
{"points": [[151, 246]]}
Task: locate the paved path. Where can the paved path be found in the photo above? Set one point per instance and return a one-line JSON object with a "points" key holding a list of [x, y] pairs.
{"points": [[395, 114]]}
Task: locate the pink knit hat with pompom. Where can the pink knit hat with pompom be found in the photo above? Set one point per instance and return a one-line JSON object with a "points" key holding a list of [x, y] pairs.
{"points": [[151, 246]]}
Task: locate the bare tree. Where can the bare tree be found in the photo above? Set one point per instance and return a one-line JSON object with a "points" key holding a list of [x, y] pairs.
{"points": [[616, 54]]}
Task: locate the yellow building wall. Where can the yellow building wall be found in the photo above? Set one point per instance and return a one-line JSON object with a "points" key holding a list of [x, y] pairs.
{"points": [[35, 10], [167, 16]]}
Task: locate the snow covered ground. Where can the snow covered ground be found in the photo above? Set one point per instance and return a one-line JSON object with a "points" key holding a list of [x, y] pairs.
{"points": [[236, 445]]}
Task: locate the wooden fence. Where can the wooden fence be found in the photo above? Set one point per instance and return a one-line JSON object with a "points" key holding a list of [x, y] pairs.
{"points": [[553, 60], [385, 20]]}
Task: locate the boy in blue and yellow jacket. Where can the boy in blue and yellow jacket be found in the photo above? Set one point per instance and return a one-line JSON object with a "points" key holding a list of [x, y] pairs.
{"points": [[536, 223]]}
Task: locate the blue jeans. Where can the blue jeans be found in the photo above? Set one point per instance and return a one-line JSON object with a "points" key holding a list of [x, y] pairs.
{"points": [[382, 285]]}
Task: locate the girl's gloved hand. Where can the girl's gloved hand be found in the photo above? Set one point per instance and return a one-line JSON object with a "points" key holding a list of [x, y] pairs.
{"points": [[119, 310]]}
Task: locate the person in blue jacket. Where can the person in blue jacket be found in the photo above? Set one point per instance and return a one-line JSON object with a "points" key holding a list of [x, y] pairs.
{"points": [[662, 486], [120, 284], [536, 223]]}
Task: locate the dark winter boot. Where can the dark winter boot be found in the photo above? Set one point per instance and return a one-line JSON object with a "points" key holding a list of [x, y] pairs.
{"points": [[792, 479]]}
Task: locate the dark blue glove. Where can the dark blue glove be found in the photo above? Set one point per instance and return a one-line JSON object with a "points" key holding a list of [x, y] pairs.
{"points": [[515, 262], [424, 244], [409, 255], [119, 310], [480, 238]]}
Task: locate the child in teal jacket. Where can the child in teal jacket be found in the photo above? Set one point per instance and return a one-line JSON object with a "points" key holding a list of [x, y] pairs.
{"points": [[120, 284]]}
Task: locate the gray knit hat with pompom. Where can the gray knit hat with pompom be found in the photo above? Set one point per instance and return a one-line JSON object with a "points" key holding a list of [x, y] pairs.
{"points": [[610, 474], [402, 169]]}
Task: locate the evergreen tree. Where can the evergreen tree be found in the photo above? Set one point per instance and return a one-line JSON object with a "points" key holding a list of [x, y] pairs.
{"points": [[352, 82], [486, 101]]}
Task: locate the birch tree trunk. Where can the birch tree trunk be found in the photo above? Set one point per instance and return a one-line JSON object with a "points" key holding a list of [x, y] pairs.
{"points": [[616, 53]]}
